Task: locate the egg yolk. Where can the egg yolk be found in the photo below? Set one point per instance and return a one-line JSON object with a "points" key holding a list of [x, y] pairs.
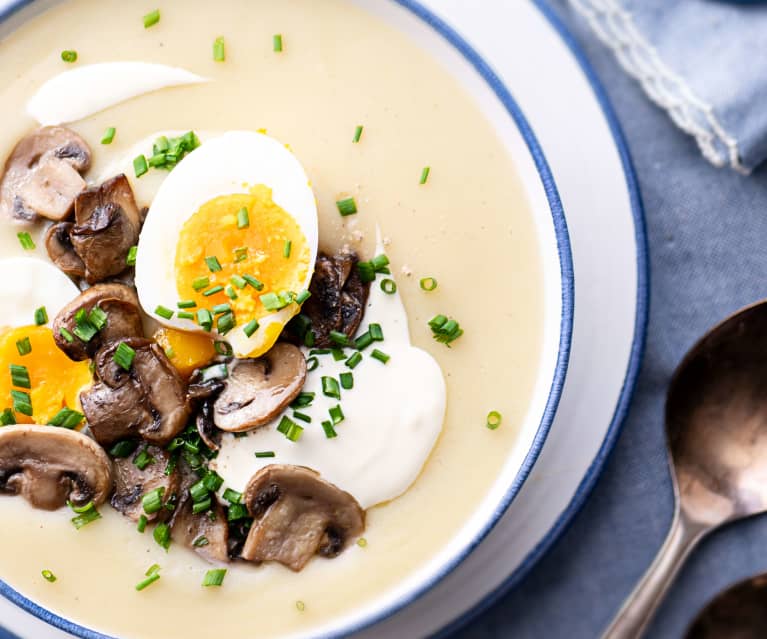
{"points": [[55, 379], [186, 351], [266, 244]]}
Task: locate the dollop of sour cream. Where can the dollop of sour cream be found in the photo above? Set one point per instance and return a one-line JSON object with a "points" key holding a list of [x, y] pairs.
{"points": [[392, 417], [77, 93]]}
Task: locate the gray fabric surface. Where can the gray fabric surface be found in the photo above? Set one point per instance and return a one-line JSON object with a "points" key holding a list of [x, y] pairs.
{"points": [[708, 249]]}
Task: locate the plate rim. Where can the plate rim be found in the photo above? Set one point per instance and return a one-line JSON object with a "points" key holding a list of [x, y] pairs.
{"points": [[594, 470], [508, 102]]}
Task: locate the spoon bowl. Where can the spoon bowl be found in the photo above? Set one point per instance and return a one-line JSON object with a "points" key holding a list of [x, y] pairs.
{"points": [[716, 427]]}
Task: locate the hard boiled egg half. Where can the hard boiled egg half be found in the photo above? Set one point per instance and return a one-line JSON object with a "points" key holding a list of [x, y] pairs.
{"points": [[230, 241], [31, 297]]}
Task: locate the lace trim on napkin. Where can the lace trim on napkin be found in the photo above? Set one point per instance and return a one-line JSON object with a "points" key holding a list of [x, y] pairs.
{"points": [[616, 28]]}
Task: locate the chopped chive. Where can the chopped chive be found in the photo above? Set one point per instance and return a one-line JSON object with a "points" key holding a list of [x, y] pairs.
{"points": [[218, 309], [151, 18], [219, 54], [213, 290], [230, 293], [185, 315], [355, 359], [123, 356], [309, 338], [25, 239], [143, 459], [24, 346], [225, 323], [290, 429], [200, 542], [123, 448], [20, 376], [223, 348], [271, 301], [142, 522], [243, 219], [186, 304], [366, 271], [264, 454], [48, 576], [330, 432], [131, 259], [236, 512], [200, 283], [330, 387], [7, 418], [312, 363], [277, 42], [22, 402], [240, 254], [428, 283], [445, 330], [342, 339], [380, 356], [357, 134], [199, 491], [303, 296], [347, 379], [380, 262], [303, 400], [163, 311], [216, 371], [201, 506], [388, 286], [213, 264], [256, 284], [347, 206], [69, 55], [376, 332], [97, 318], [286, 249], [493, 419], [338, 354], [214, 577], [362, 542], [144, 583], [41, 316], [238, 281], [336, 414], [140, 166], [425, 174], [89, 515], [363, 341], [154, 568], [108, 136], [302, 416], [250, 328], [232, 496], [67, 418], [161, 535]]}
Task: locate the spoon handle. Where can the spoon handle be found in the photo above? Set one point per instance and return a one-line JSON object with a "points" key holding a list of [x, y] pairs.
{"points": [[640, 606]]}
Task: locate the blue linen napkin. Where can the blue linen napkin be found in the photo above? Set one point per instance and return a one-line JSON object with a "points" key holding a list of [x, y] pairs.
{"points": [[703, 61]]}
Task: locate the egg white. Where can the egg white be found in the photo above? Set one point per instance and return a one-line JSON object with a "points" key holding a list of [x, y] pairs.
{"points": [[228, 164]]}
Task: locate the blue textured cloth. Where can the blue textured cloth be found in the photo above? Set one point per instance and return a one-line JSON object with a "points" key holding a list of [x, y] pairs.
{"points": [[708, 247]]}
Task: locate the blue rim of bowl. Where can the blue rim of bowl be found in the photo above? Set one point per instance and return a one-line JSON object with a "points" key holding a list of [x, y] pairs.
{"points": [[589, 480], [563, 355]]}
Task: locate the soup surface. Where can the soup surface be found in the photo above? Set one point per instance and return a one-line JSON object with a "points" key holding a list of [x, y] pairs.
{"points": [[468, 226]]}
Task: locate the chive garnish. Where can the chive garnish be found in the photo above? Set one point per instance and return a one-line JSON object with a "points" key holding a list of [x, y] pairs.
{"points": [[376, 332], [264, 454], [143, 459], [425, 174], [232, 496], [24, 346], [186, 304], [22, 402], [223, 348], [130, 260], [271, 302], [66, 335], [303, 400], [427, 283], [213, 264], [277, 42], [256, 284], [337, 337], [330, 387], [363, 341], [286, 249], [151, 18], [48, 576], [163, 311], [20, 376], [302, 416], [25, 239], [142, 522], [140, 167], [214, 577], [240, 254], [445, 330], [347, 206], [303, 296], [355, 359], [312, 363], [108, 136], [347, 379], [161, 535], [380, 356], [338, 354], [357, 134], [88, 514], [216, 371], [201, 541], [388, 286], [199, 491], [185, 315], [290, 429], [201, 506], [219, 53], [97, 318], [330, 432], [41, 316], [200, 283], [238, 281], [243, 219], [69, 55], [218, 309], [250, 328], [7, 418], [123, 448], [144, 583], [336, 414], [212, 291], [230, 293], [67, 418], [362, 542], [123, 356], [152, 501], [493, 419], [225, 323]]}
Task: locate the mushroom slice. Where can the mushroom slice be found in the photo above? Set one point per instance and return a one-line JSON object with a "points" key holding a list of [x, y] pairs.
{"points": [[132, 483], [42, 174], [205, 393], [119, 302], [49, 466], [61, 251], [107, 226], [207, 536], [149, 401], [338, 297], [257, 390], [297, 515]]}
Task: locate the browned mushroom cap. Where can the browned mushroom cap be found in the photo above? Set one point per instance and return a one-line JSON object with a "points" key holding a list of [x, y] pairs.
{"points": [[61, 251], [257, 390], [338, 297], [107, 226], [48, 466], [208, 537], [204, 393], [42, 174], [297, 515], [149, 401], [119, 302], [132, 483]]}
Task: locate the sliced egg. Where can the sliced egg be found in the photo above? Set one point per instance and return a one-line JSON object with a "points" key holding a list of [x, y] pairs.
{"points": [[55, 380], [229, 242]]}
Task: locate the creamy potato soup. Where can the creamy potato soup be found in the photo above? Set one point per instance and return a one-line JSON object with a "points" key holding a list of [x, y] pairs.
{"points": [[272, 313]]}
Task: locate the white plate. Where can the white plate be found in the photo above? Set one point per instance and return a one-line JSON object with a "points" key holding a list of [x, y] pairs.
{"points": [[596, 187]]}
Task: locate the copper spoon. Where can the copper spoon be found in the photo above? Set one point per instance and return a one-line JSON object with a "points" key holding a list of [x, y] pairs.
{"points": [[740, 612], [716, 425]]}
